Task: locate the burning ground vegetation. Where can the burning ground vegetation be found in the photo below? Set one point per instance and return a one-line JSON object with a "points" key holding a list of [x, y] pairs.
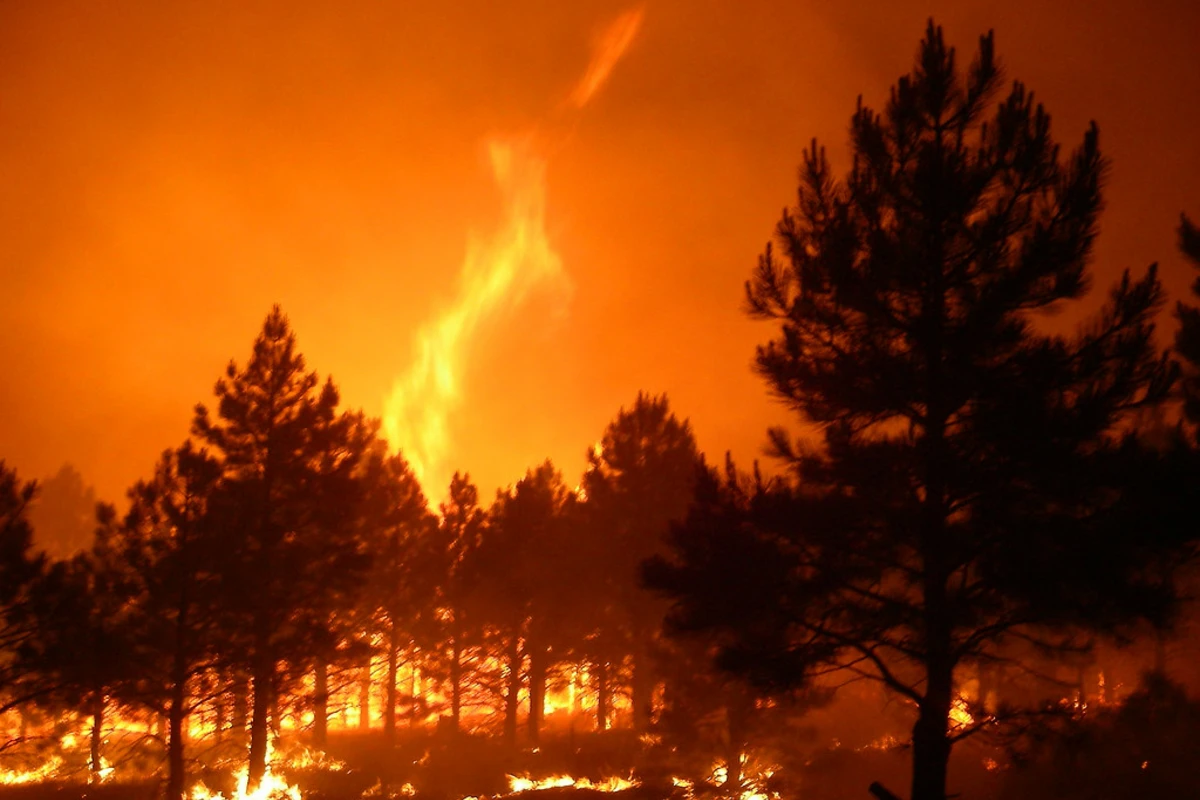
{"points": [[1102, 737]]}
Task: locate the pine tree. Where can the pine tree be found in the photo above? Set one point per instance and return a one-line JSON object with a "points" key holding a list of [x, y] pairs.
{"points": [[169, 548], [524, 583], [21, 573], [964, 487], [451, 556], [289, 491], [1187, 338], [639, 479], [396, 523]]}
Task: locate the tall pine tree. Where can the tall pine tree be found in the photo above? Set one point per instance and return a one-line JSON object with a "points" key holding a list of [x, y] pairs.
{"points": [[288, 459], [966, 482]]}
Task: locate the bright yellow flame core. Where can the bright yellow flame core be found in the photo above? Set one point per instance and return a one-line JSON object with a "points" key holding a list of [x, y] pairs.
{"points": [[496, 273], [271, 787], [44, 772]]}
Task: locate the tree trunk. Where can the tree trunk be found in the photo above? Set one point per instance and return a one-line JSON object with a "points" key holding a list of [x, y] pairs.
{"points": [[264, 679], [602, 695], [364, 697], [512, 692], [537, 691], [642, 690], [735, 730], [393, 664], [220, 720], [240, 689], [176, 713], [931, 746], [97, 733], [321, 703], [414, 697], [455, 675]]}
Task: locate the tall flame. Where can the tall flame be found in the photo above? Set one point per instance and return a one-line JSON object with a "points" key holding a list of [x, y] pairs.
{"points": [[606, 52], [497, 272]]}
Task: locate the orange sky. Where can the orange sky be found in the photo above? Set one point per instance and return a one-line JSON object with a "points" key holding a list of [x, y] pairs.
{"points": [[169, 174]]}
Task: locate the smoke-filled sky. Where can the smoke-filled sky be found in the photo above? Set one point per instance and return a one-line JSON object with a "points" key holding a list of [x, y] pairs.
{"points": [[170, 170]]}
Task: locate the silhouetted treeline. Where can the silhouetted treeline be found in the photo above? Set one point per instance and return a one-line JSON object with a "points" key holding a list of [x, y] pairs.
{"points": [[283, 549]]}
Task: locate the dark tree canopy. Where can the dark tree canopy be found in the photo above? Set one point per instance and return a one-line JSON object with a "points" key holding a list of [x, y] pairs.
{"points": [[638, 480], [21, 573], [969, 466], [1187, 338], [289, 496]]}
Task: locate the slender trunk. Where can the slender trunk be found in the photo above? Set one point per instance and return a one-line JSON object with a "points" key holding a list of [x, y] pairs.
{"points": [[240, 689], [176, 777], [414, 697], [642, 690], [537, 691], [602, 695], [455, 674], [364, 697], [321, 703], [97, 736], [176, 713], [393, 665], [220, 720], [264, 679], [735, 730], [512, 691]]}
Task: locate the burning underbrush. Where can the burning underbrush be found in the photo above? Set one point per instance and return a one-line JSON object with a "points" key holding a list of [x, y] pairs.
{"points": [[813, 750]]}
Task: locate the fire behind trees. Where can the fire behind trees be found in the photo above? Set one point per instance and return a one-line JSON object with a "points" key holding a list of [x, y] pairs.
{"points": [[980, 501]]}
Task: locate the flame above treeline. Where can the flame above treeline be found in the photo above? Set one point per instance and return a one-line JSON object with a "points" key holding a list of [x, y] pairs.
{"points": [[498, 272]]}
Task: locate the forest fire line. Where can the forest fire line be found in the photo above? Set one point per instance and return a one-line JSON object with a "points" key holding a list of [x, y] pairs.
{"points": [[346, 709]]}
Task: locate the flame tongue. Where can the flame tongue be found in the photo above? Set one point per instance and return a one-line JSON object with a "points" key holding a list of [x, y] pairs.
{"points": [[606, 52], [497, 273]]}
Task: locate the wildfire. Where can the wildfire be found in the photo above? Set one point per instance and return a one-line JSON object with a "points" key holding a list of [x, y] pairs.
{"points": [[960, 714], [754, 777], [518, 784], [307, 758], [271, 787], [497, 272], [45, 771]]}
